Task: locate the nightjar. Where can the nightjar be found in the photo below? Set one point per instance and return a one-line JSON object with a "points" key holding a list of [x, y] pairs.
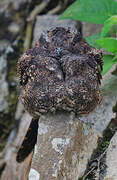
{"points": [[62, 72]]}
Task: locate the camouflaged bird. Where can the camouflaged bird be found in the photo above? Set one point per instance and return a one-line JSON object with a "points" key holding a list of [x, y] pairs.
{"points": [[60, 73]]}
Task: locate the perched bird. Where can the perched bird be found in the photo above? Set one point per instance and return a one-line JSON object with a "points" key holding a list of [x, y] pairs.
{"points": [[62, 72]]}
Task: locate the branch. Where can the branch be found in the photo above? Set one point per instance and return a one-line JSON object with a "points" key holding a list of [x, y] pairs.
{"points": [[31, 19]]}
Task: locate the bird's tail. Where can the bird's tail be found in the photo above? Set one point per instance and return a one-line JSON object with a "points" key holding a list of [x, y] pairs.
{"points": [[29, 141]]}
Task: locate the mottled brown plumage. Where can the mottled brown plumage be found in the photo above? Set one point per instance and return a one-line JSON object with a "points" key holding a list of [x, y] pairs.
{"points": [[60, 73]]}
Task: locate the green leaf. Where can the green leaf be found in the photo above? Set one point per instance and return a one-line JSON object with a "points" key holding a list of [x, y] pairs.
{"points": [[109, 44], [91, 40], [115, 58], [108, 63], [108, 24], [94, 11]]}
